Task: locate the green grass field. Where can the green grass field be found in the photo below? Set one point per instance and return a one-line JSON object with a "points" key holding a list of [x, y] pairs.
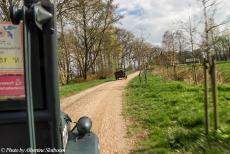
{"points": [[74, 88], [172, 114], [225, 69]]}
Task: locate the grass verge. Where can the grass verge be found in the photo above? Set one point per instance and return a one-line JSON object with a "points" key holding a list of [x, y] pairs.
{"points": [[68, 90], [172, 113], [225, 69]]}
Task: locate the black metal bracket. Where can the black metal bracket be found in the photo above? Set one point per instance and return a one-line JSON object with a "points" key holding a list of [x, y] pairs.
{"points": [[35, 12]]}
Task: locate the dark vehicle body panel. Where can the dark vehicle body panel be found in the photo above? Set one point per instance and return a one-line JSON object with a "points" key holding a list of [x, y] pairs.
{"points": [[120, 74]]}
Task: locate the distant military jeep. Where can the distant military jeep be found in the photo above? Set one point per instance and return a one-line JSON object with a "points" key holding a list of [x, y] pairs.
{"points": [[120, 74]]}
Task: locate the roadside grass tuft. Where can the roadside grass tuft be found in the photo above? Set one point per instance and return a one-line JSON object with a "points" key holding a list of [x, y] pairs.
{"points": [[172, 113]]}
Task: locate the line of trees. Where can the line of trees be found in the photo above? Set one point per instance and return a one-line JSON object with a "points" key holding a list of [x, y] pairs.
{"points": [[190, 38], [91, 45]]}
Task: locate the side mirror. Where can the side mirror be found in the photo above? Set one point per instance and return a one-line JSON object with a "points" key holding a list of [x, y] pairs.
{"points": [[81, 139], [84, 125]]}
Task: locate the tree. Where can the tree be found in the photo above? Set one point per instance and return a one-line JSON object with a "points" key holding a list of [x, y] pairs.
{"points": [[64, 9], [181, 43], [209, 25], [65, 54], [91, 21], [190, 31], [223, 46], [209, 12], [169, 46], [125, 40]]}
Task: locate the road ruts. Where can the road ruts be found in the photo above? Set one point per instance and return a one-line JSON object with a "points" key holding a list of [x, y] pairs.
{"points": [[103, 104]]}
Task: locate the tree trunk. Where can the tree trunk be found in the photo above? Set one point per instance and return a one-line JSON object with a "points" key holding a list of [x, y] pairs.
{"points": [[85, 44]]}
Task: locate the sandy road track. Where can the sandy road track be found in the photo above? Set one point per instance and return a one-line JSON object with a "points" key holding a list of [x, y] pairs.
{"points": [[103, 104]]}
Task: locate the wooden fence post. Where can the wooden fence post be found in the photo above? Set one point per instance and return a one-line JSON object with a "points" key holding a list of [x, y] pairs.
{"points": [[206, 97], [214, 93]]}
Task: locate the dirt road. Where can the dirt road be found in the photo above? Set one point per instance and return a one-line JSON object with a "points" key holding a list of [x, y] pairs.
{"points": [[103, 104]]}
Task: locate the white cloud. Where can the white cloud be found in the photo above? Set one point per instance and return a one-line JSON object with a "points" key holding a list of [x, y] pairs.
{"points": [[158, 16]]}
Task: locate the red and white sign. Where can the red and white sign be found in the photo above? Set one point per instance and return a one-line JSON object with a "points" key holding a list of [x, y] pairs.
{"points": [[12, 86], [11, 60]]}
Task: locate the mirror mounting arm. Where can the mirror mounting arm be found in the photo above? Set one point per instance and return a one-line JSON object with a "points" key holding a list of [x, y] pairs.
{"points": [[34, 11]]}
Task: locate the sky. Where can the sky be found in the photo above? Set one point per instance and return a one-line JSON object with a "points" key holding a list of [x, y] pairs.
{"points": [[151, 18]]}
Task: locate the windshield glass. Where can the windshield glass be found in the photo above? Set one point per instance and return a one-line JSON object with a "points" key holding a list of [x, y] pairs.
{"points": [[11, 61]]}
